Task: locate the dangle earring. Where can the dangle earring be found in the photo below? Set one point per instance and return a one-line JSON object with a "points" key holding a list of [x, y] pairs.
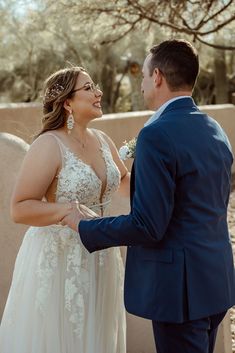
{"points": [[70, 122]]}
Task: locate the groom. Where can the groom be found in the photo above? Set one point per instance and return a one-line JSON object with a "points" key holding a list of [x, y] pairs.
{"points": [[179, 267]]}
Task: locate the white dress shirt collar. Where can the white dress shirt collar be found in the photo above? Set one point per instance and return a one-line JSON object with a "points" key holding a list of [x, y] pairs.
{"points": [[160, 110]]}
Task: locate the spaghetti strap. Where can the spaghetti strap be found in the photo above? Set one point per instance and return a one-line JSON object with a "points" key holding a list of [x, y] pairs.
{"points": [[100, 138]]}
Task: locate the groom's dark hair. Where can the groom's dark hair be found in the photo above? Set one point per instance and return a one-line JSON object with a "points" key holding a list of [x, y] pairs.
{"points": [[178, 61]]}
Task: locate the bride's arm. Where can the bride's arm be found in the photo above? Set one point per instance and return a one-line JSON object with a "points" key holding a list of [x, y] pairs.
{"points": [[38, 170], [124, 188]]}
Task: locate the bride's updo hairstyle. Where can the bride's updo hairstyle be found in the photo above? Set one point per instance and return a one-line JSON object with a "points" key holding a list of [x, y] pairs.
{"points": [[57, 88]]}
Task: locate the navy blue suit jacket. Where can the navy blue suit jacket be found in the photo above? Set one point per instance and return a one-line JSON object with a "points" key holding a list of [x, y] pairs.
{"points": [[179, 260]]}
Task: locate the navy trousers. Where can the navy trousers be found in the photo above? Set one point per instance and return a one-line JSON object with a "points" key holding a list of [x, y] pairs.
{"points": [[196, 336]]}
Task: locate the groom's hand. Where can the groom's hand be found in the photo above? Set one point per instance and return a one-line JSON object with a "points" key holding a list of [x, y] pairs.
{"points": [[77, 213]]}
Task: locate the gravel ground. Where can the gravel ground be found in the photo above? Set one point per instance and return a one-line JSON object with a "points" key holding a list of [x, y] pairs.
{"points": [[231, 221]]}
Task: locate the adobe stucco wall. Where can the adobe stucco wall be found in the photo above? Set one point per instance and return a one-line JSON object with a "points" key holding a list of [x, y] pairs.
{"points": [[23, 120], [12, 151]]}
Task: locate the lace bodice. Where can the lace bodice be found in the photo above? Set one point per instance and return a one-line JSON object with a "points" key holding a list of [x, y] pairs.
{"points": [[77, 180]]}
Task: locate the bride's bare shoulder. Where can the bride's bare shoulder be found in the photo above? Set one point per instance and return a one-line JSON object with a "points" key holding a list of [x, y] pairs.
{"points": [[47, 137], [45, 149]]}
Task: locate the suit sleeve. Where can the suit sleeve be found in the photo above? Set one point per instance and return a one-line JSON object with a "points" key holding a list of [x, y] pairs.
{"points": [[153, 199]]}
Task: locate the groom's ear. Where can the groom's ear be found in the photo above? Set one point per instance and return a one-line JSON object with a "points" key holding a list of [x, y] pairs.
{"points": [[157, 76]]}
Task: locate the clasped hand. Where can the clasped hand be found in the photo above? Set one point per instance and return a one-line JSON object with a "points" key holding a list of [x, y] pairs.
{"points": [[77, 213]]}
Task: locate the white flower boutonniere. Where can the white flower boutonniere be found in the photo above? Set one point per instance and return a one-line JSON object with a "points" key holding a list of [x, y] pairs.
{"points": [[128, 150]]}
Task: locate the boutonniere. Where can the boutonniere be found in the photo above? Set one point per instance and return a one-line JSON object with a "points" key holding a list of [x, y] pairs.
{"points": [[128, 149]]}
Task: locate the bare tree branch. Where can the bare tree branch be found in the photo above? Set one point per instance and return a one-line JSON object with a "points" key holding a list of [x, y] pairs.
{"points": [[216, 46], [108, 41], [216, 14], [175, 15], [202, 22]]}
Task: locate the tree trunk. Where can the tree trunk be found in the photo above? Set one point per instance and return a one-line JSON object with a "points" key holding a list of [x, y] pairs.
{"points": [[135, 77], [221, 82]]}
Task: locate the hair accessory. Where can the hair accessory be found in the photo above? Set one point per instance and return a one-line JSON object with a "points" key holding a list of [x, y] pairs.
{"points": [[54, 91]]}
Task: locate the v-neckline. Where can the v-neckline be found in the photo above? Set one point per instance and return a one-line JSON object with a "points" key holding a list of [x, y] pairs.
{"points": [[103, 185]]}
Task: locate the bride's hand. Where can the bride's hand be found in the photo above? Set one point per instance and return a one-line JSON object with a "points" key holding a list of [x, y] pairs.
{"points": [[77, 213], [87, 212]]}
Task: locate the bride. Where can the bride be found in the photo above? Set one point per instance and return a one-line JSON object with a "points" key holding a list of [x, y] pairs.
{"points": [[63, 299]]}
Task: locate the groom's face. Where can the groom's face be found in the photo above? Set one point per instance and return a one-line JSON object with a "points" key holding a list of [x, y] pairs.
{"points": [[148, 85]]}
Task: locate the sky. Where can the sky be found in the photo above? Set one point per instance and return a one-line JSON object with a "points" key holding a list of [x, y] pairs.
{"points": [[20, 7]]}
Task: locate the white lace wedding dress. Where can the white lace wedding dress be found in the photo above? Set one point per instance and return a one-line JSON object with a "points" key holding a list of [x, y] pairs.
{"points": [[63, 299]]}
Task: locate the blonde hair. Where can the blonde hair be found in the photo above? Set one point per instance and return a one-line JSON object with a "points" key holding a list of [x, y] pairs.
{"points": [[57, 88]]}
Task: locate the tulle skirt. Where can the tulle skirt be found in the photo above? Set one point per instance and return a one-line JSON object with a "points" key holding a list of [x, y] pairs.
{"points": [[63, 299]]}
